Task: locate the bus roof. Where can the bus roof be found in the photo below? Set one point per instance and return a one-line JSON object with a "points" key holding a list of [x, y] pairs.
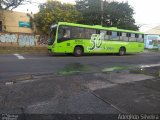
{"points": [[99, 27]]}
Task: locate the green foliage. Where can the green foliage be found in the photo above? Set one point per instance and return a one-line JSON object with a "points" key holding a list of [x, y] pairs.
{"points": [[53, 12], [115, 14], [90, 10], [10, 4]]}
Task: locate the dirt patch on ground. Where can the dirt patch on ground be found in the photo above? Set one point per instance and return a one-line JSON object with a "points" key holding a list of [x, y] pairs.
{"points": [[15, 49]]}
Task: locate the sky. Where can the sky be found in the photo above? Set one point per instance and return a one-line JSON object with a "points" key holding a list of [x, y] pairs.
{"points": [[146, 11]]}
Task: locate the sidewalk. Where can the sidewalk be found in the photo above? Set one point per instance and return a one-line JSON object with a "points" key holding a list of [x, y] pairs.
{"points": [[96, 93]]}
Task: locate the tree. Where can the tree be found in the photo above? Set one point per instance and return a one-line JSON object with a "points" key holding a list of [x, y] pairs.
{"points": [[113, 14], [119, 15], [90, 10], [10, 4], [53, 12]]}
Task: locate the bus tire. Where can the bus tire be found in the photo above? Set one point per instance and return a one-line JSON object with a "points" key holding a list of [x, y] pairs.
{"points": [[122, 51], [78, 51]]}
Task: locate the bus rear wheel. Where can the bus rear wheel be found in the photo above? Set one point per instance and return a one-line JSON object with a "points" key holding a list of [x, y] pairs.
{"points": [[122, 51], [78, 51]]}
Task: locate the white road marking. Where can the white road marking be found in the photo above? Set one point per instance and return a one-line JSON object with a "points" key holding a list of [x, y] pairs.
{"points": [[19, 56], [151, 65]]}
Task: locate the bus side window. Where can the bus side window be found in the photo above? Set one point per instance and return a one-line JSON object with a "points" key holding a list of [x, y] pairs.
{"points": [[128, 34], [89, 32], [119, 34], [114, 36], [137, 35], [109, 33], [60, 33], [124, 37], [74, 32], [66, 34], [63, 33], [81, 33], [77, 32], [140, 38], [97, 31], [132, 38], [104, 35]]}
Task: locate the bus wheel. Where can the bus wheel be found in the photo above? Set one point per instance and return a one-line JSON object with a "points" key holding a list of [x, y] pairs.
{"points": [[122, 51], [78, 51]]}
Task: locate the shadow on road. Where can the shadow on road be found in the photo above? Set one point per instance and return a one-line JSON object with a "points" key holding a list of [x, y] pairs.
{"points": [[89, 55]]}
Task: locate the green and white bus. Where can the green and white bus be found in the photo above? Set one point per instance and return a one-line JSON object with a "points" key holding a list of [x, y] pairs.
{"points": [[79, 39]]}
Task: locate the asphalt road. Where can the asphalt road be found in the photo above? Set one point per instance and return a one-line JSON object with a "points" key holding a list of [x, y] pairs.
{"points": [[10, 64], [91, 84]]}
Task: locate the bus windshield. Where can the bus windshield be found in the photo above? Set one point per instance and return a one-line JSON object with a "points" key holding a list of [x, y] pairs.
{"points": [[52, 35]]}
